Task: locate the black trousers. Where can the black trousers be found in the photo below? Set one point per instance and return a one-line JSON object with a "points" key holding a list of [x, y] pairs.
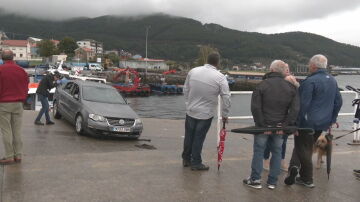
{"points": [[302, 155]]}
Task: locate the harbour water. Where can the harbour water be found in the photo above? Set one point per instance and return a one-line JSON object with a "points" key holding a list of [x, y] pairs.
{"points": [[173, 107]]}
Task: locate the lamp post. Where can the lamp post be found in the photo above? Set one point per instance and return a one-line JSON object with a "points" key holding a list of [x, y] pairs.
{"points": [[146, 49]]}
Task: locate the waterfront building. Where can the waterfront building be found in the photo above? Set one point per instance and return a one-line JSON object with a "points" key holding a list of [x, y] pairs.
{"points": [[95, 46], [84, 54], [20, 48], [142, 63]]}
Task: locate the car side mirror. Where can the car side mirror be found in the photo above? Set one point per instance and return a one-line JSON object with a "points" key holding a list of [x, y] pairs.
{"points": [[76, 96]]}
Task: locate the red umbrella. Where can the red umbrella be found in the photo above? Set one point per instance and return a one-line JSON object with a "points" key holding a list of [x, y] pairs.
{"points": [[221, 145]]}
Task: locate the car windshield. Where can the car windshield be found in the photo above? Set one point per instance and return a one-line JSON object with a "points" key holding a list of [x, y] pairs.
{"points": [[102, 95]]}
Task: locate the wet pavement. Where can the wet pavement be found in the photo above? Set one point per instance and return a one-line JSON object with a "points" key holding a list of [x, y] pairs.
{"points": [[59, 165]]}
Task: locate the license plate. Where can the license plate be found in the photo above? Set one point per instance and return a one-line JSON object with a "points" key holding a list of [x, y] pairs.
{"points": [[121, 129]]}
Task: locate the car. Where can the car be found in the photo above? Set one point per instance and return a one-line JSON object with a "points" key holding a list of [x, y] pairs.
{"points": [[94, 67], [96, 109]]}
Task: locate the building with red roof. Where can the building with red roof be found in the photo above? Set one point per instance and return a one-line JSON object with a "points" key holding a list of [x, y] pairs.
{"points": [[85, 54], [20, 48], [95, 46]]}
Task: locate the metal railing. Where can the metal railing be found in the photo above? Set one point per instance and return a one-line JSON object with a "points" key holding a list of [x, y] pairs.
{"points": [[218, 124]]}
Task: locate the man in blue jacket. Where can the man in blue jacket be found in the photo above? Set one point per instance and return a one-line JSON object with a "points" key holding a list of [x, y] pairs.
{"points": [[320, 103]]}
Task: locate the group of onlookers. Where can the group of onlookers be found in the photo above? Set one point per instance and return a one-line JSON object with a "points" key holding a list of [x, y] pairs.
{"points": [[278, 101]]}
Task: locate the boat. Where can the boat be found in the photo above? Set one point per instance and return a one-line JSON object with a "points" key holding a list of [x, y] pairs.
{"points": [[166, 89], [131, 88]]}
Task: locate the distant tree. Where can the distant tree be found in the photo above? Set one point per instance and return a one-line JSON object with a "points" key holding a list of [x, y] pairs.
{"points": [[68, 46], [225, 63], [204, 52], [47, 48], [113, 57]]}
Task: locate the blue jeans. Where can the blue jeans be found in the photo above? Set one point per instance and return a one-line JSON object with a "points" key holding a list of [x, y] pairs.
{"points": [[260, 141], [283, 151], [44, 108], [195, 133]]}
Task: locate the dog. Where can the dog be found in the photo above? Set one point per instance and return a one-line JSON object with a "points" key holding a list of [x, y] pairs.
{"points": [[320, 148]]}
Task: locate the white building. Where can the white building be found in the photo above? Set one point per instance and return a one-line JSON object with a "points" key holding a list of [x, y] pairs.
{"points": [[152, 64], [95, 46], [20, 48]]}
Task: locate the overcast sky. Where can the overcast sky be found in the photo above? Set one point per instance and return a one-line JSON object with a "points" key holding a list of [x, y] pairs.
{"points": [[336, 19]]}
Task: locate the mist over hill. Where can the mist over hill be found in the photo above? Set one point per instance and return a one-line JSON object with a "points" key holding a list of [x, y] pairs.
{"points": [[178, 38]]}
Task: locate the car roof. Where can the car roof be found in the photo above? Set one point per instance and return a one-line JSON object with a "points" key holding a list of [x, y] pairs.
{"points": [[91, 84]]}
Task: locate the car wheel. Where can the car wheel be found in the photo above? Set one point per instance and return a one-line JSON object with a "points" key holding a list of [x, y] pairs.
{"points": [[79, 125], [56, 112]]}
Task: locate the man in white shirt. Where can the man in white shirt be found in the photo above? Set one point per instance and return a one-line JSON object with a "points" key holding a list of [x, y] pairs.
{"points": [[202, 87]]}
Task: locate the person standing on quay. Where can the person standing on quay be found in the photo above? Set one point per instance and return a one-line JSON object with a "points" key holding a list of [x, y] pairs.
{"points": [[290, 78], [202, 87], [320, 103], [274, 103], [14, 83], [46, 84]]}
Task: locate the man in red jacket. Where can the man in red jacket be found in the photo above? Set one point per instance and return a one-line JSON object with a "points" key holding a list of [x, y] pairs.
{"points": [[13, 92]]}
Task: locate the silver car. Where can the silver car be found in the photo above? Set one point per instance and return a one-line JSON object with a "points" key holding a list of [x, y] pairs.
{"points": [[96, 109]]}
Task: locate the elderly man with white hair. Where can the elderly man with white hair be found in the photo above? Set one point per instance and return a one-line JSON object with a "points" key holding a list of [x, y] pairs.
{"points": [[274, 103], [320, 103]]}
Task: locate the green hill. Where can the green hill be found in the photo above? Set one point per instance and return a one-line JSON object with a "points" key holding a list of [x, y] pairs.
{"points": [[177, 38]]}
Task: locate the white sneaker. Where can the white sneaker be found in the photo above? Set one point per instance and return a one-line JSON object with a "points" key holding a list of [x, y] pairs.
{"points": [[271, 186], [252, 183]]}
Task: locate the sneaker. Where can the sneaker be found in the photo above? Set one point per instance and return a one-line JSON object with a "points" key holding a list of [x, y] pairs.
{"points": [[299, 181], [200, 167], [290, 179], [252, 183], [271, 186], [39, 123], [186, 163], [50, 123], [357, 171], [266, 164]]}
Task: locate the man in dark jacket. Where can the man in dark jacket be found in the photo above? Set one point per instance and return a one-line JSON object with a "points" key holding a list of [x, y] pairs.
{"points": [[46, 84], [320, 103], [13, 92], [274, 102]]}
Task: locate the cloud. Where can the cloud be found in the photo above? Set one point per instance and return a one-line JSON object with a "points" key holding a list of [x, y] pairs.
{"points": [[254, 15], [245, 15], [340, 27]]}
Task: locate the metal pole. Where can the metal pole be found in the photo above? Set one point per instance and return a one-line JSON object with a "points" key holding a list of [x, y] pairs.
{"points": [[146, 51]]}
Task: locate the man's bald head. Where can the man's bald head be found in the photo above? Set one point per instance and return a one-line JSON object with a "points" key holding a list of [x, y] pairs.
{"points": [[7, 55]]}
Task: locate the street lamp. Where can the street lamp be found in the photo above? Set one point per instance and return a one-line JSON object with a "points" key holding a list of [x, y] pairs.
{"points": [[146, 49]]}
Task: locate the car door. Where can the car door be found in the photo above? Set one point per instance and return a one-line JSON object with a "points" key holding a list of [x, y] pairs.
{"points": [[75, 101], [63, 101]]}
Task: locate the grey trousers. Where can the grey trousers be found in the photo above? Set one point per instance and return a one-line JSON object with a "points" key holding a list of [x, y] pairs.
{"points": [[10, 125]]}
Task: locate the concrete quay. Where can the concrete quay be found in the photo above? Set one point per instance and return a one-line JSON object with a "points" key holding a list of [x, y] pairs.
{"points": [[59, 165]]}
